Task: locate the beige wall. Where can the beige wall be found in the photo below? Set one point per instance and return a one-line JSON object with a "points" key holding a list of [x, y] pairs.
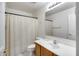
{"points": [[2, 27], [41, 21]]}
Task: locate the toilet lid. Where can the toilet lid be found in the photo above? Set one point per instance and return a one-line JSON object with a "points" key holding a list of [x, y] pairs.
{"points": [[31, 46]]}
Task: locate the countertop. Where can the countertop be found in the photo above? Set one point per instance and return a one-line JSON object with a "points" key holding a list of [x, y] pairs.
{"points": [[62, 50]]}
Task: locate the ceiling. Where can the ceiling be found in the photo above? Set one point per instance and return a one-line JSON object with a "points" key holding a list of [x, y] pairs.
{"points": [[62, 7], [26, 6]]}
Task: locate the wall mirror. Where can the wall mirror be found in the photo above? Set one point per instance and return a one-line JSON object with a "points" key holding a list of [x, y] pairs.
{"points": [[60, 20]]}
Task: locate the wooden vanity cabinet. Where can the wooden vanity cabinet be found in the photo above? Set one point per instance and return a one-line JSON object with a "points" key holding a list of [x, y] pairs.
{"points": [[41, 51]]}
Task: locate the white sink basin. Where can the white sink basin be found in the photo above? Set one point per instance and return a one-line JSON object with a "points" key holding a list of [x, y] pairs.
{"points": [[51, 42]]}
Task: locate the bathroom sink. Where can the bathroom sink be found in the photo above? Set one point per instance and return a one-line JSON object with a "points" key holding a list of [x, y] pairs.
{"points": [[53, 44]]}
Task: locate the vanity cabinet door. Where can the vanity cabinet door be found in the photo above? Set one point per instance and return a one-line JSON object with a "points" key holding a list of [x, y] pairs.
{"points": [[45, 52], [37, 50]]}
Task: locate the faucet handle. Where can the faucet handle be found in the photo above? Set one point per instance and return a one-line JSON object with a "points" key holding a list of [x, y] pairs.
{"points": [[54, 42]]}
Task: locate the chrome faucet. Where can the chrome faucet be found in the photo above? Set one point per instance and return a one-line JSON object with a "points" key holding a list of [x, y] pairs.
{"points": [[55, 42]]}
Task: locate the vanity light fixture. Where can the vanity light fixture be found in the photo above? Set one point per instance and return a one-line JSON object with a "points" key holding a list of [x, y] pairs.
{"points": [[54, 4]]}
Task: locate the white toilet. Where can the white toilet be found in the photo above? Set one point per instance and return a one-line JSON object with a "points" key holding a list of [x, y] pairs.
{"points": [[30, 49]]}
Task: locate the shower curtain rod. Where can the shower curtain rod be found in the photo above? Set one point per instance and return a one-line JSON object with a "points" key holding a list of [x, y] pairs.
{"points": [[20, 15], [49, 20], [25, 16]]}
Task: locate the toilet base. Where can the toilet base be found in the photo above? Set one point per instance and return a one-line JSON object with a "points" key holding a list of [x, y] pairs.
{"points": [[31, 49]]}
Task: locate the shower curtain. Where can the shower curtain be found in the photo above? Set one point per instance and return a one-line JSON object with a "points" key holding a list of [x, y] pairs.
{"points": [[20, 32]]}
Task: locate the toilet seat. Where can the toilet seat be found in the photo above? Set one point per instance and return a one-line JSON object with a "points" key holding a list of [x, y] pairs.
{"points": [[31, 46]]}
